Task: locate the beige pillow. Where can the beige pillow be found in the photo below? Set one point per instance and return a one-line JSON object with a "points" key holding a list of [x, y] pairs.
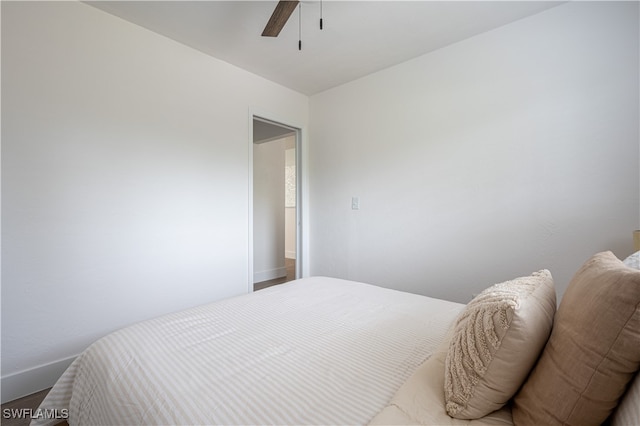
{"points": [[593, 351], [497, 340]]}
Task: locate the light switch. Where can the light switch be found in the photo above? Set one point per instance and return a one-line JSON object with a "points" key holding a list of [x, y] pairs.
{"points": [[355, 203]]}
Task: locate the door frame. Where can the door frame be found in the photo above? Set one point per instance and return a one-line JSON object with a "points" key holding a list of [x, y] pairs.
{"points": [[301, 191]]}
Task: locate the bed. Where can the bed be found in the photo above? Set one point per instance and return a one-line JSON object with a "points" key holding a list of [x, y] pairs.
{"points": [[328, 351], [314, 351]]}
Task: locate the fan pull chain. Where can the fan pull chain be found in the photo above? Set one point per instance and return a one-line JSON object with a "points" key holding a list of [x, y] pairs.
{"points": [[320, 14], [300, 26]]}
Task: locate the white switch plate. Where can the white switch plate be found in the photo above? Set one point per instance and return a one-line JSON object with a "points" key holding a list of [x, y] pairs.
{"points": [[355, 203]]}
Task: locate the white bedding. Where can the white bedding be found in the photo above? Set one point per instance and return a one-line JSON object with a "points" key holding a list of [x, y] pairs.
{"points": [[420, 400], [314, 351]]}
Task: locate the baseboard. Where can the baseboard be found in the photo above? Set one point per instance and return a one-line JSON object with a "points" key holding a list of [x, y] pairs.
{"points": [[270, 274], [33, 380], [291, 254]]}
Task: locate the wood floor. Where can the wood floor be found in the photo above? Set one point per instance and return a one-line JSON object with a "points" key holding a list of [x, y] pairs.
{"points": [[15, 413], [33, 401], [290, 265]]}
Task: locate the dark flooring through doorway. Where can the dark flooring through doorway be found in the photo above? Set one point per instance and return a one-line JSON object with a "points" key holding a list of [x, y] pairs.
{"points": [[290, 265]]}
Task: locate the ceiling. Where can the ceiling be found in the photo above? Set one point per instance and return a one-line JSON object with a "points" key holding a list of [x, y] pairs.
{"points": [[265, 131], [359, 37]]}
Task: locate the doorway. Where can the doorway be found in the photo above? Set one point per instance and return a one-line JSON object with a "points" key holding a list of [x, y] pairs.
{"points": [[275, 206]]}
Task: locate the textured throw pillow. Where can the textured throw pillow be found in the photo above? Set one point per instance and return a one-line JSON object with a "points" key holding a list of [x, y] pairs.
{"points": [[497, 340], [593, 351]]}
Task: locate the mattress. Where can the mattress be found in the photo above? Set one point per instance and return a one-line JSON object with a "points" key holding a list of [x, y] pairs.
{"points": [[314, 351]]}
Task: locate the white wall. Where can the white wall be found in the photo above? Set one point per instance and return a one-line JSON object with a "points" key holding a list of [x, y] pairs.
{"points": [[125, 180], [506, 153], [268, 210]]}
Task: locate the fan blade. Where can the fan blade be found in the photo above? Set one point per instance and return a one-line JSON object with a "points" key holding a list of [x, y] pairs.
{"points": [[280, 16]]}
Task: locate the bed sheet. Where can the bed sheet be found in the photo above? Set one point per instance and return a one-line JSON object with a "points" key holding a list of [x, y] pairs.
{"points": [[314, 351]]}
